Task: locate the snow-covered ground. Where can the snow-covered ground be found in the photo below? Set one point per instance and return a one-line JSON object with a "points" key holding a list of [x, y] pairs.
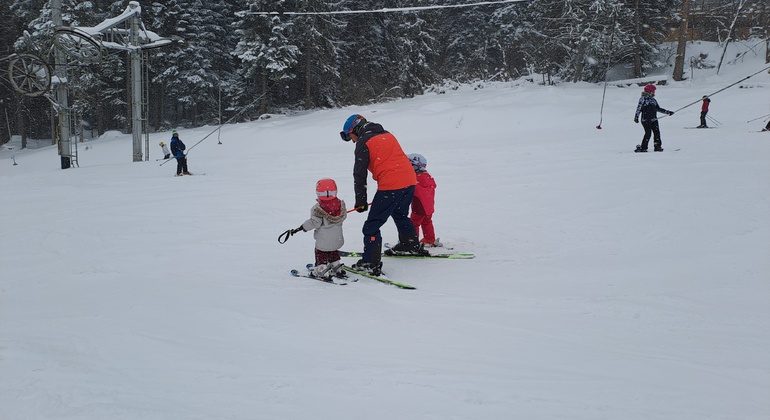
{"points": [[607, 284]]}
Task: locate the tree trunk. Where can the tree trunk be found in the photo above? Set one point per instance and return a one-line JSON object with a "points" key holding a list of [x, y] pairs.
{"points": [[767, 51], [308, 77], [5, 137], [263, 102], [637, 42], [682, 45], [730, 33], [580, 63], [22, 126], [54, 128]]}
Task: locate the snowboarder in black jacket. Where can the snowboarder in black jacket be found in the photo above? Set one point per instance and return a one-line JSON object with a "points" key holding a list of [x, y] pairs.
{"points": [[648, 108]]}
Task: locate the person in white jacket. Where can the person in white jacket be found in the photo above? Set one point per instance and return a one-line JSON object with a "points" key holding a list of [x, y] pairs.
{"points": [[166, 152], [326, 218]]}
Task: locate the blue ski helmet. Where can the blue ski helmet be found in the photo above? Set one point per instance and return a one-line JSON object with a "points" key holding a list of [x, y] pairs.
{"points": [[351, 124], [419, 163]]}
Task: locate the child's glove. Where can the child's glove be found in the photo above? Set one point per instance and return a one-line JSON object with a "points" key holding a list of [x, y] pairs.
{"points": [[636, 120], [670, 113], [299, 229]]}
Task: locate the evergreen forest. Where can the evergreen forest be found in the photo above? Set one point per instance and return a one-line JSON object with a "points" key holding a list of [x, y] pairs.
{"points": [[247, 58]]}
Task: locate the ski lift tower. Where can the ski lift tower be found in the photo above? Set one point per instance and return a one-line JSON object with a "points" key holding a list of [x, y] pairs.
{"points": [[124, 32]]}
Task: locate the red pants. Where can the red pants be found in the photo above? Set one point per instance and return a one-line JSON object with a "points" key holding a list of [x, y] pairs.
{"points": [[426, 223], [326, 257]]}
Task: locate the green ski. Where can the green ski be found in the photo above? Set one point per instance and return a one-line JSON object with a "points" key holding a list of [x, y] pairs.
{"points": [[445, 256], [380, 279]]}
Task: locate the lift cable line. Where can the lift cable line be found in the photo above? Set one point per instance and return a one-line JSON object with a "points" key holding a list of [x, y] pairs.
{"points": [[724, 88], [245, 108], [386, 9]]}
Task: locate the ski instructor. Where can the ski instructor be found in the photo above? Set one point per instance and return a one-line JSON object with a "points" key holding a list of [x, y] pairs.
{"points": [[378, 151]]}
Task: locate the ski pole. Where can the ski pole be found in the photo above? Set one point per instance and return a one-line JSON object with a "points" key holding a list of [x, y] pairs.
{"points": [[169, 160], [764, 116], [282, 238], [712, 119]]}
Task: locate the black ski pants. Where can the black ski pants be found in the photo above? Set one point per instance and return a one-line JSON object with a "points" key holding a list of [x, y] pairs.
{"points": [[651, 128], [181, 165], [387, 204]]}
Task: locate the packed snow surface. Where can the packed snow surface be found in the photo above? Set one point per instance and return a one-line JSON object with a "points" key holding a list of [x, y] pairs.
{"points": [[606, 285]]}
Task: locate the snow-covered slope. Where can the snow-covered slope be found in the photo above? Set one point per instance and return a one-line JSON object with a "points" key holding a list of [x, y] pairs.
{"points": [[607, 284]]}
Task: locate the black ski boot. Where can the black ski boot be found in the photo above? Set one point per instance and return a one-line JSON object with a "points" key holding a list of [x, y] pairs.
{"points": [[371, 268], [408, 244], [639, 149]]}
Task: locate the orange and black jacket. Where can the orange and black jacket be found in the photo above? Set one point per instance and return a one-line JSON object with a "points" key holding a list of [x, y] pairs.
{"points": [[378, 152]]}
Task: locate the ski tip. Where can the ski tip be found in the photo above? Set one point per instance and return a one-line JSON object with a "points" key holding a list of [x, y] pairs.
{"points": [[461, 256]]}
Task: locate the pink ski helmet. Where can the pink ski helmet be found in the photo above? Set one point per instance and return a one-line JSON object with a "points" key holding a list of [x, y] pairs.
{"points": [[649, 88], [326, 189]]}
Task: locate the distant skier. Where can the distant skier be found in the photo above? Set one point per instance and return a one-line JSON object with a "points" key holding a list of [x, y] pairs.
{"points": [[326, 218], [177, 148], [166, 152], [423, 201], [648, 108], [704, 109]]}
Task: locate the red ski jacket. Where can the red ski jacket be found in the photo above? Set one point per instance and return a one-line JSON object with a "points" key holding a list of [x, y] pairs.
{"points": [[705, 106], [424, 195]]}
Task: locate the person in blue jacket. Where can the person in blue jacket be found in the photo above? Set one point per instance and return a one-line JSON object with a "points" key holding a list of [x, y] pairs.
{"points": [[177, 149]]}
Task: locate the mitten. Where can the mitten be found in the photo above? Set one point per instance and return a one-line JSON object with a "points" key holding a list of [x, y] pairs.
{"points": [[362, 207]]}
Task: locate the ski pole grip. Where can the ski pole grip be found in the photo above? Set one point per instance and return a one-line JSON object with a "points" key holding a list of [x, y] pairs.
{"points": [[282, 238]]}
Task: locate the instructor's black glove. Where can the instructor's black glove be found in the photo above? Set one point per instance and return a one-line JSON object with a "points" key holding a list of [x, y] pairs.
{"points": [[362, 207], [636, 120], [670, 112]]}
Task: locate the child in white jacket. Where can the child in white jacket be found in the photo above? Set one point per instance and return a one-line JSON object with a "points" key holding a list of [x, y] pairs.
{"points": [[326, 218], [166, 152]]}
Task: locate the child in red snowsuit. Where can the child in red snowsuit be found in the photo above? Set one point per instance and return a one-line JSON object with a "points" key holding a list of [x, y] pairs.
{"points": [[704, 109], [423, 201]]}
